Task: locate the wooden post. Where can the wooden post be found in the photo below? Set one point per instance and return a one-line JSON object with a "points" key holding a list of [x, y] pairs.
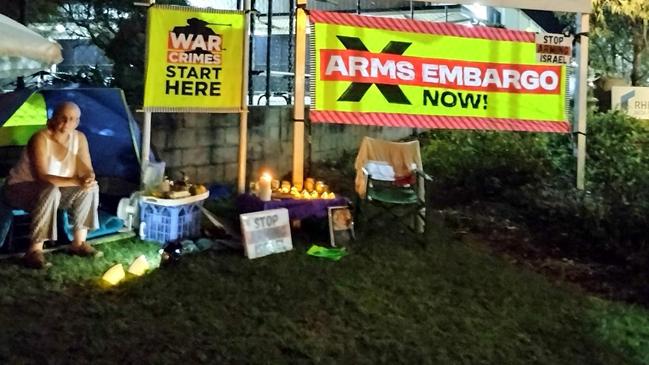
{"points": [[579, 127], [298, 105], [243, 114]]}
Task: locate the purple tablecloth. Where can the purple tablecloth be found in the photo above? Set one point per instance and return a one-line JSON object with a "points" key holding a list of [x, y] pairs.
{"points": [[297, 208]]}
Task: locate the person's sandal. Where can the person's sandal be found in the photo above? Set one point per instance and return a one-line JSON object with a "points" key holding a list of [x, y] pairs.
{"points": [[85, 250], [35, 260]]}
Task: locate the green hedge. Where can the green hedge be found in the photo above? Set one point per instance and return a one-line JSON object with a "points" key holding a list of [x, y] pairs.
{"points": [[535, 174]]}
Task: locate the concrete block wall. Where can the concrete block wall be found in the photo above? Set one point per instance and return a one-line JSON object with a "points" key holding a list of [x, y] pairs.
{"points": [[205, 146], [329, 141]]}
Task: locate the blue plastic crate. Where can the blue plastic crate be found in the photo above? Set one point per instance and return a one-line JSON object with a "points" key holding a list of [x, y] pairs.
{"points": [[164, 223]]}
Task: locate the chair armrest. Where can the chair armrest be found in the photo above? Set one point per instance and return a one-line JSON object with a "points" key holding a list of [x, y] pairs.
{"points": [[421, 173], [367, 174]]}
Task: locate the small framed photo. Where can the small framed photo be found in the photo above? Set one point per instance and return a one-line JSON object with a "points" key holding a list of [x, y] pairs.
{"points": [[341, 226]]}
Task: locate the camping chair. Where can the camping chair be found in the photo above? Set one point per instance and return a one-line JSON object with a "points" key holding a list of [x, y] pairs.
{"points": [[389, 176]]}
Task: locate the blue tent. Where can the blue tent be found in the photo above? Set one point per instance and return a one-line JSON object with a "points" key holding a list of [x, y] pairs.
{"points": [[113, 135], [113, 138]]}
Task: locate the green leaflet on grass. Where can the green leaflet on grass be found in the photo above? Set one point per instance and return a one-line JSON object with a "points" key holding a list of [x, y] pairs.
{"points": [[327, 253]]}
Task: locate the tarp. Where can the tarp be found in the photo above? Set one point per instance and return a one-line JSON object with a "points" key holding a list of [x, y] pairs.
{"points": [[23, 51], [415, 74], [113, 135]]}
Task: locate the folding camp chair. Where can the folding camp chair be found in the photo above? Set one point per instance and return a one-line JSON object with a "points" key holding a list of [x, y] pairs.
{"points": [[389, 176]]}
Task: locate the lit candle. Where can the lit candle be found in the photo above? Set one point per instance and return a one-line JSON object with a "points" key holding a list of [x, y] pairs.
{"points": [[264, 187]]}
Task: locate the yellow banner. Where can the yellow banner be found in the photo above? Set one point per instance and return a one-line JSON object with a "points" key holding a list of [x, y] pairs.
{"points": [[194, 59], [431, 70]]}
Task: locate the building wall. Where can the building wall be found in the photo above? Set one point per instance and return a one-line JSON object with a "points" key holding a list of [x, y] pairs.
{"points": [[517, 19], [205, 146]]}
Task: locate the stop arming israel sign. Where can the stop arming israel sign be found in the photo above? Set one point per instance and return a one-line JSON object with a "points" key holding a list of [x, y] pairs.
{"points": [[194, 59], [553, 48], [266, 232], [405, 73]]}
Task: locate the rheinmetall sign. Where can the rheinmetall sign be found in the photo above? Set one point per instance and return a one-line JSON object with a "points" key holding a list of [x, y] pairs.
{"points": [[634, 101]]}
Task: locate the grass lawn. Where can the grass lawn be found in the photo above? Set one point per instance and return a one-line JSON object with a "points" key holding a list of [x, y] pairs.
{"points": [[389, 301]]}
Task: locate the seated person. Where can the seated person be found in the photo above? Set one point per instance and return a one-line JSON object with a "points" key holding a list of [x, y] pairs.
{"points": [[55, 172]]}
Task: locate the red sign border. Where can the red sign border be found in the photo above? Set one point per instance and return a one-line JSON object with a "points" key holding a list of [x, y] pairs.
{"points": [[437, 121]]}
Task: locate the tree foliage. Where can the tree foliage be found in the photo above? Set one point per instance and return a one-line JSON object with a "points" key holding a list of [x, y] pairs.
{"points": [[29, 11], [118, 28], [620, 39]]}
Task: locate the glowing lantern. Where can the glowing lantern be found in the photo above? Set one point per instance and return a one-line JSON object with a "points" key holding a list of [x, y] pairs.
{"points": [[139, 266], [114, 275]]}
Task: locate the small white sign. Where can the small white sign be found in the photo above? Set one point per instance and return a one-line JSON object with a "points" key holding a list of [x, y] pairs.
{"points": [[553, 48], [633, 101], [266, 232]]}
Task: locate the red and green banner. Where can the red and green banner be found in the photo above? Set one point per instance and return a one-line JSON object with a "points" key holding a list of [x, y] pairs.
{"points": [[405, 73]]}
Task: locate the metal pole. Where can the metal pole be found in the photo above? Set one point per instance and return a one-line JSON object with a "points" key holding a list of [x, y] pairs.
{"points": [[146, 137], [22, 16], [243, 115], [269, 32], [291, 14], [22, 19], [251, 61], [412, 11], [358, 6], [298, 107], [582, 89], [146, 143]]}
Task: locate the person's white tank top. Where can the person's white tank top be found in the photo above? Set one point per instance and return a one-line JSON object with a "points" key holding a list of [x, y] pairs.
{"points": [[66, 167]]}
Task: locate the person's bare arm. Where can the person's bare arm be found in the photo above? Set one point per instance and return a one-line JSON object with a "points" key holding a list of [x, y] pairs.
{"points": [[84, 164], [38, 154]]}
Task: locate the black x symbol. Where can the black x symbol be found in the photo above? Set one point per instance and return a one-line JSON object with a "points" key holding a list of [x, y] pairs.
{"points": [[355, 91]]}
